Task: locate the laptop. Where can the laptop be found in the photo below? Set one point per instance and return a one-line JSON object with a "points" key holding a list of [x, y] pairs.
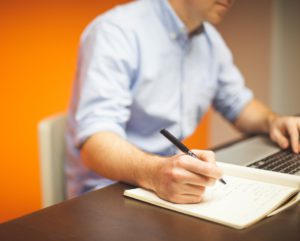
{"points": [[260, 152]]}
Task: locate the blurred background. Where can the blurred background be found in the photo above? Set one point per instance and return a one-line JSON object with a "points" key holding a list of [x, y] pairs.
{"points": [[38, 47]]}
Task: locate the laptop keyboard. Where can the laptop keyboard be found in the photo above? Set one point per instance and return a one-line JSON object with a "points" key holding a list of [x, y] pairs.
{"points": [[284, 161]]}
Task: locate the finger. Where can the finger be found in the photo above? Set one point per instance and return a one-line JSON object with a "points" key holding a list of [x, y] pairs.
{"points": [[279, 138], [294, 135], [182, 193], [195, 190], [185, 198], [207, 156], [206, 169], [189, 178]]}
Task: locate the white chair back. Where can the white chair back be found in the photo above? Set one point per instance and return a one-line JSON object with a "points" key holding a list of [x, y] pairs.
{"points": [[52, 158]]}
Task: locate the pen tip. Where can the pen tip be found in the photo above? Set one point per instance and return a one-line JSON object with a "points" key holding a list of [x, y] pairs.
{"points": [[222, 180]]}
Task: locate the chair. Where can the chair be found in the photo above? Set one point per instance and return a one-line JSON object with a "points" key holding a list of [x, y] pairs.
{"points": [[52, 157]]}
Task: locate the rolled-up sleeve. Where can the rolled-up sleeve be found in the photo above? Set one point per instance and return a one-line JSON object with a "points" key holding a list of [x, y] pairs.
{"points": [[232, 95], [105, 71]]}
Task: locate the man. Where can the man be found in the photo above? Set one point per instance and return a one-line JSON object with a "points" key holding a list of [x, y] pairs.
{"points": [[154, 64]]}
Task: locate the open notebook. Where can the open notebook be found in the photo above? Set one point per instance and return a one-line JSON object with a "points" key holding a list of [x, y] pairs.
{"points": [[249, 196]]}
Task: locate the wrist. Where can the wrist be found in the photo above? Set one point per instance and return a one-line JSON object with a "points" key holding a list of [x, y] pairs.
{"points": [[149, 172]]}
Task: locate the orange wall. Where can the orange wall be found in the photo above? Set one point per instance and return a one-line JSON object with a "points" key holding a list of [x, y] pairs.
{"points": [[38, 47]]}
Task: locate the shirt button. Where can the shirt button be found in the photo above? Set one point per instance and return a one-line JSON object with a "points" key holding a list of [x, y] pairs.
{"points": [[173, 36]]}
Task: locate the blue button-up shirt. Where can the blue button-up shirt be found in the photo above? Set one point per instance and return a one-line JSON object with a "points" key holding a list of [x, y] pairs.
{"points": [[139, 71]]}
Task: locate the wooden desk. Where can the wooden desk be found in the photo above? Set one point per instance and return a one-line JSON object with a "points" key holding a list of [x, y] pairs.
{"points": [[107, 215]]}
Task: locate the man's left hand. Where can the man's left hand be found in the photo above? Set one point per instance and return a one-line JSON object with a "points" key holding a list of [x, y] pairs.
{"points": [[284, 130]]}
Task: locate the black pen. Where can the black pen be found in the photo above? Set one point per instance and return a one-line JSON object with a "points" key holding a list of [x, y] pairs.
{"points": [[181, 146]]}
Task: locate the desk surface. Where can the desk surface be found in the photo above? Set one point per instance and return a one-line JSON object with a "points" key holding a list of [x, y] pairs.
{"points": [[107, 215]]}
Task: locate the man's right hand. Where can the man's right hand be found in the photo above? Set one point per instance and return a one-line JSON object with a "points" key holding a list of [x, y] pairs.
{"points": [[182, 178]]}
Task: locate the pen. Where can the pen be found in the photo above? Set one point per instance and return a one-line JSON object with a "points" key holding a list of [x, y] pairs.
{"points": [[181, 146]]}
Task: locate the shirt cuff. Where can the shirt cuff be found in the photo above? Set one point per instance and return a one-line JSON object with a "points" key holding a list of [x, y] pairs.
{"points": [[84, 133], [239, 105]]}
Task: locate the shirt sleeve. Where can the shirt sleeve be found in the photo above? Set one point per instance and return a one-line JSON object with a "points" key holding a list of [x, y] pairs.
{"points": [[106, 68], [232, 95]]}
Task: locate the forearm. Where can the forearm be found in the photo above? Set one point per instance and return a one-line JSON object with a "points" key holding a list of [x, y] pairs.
{"points": [[255, 118], [113, 157], [179, 178]]}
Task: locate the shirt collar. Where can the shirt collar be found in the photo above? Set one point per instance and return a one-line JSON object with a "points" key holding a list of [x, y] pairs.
{"points": [[173, 23]]}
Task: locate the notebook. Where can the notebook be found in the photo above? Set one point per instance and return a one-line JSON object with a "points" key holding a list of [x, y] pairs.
{"points": [[250, 195]]}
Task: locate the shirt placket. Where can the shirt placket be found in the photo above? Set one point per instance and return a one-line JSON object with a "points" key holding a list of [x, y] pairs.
{"points": [[185, 44]]}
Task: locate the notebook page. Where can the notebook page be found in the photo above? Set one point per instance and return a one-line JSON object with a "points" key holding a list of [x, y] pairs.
{"points": [[238, 204], [291, 202]]}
